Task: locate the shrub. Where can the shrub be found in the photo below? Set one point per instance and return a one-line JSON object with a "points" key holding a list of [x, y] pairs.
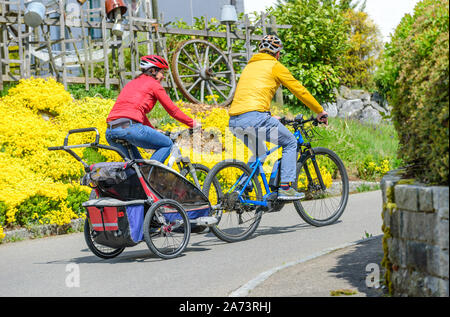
{"points": [[416, 80], [313, 45]]}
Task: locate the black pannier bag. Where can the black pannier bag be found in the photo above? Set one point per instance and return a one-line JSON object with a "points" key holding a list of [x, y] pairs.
{"points": [[116, 180], [116, 223]]}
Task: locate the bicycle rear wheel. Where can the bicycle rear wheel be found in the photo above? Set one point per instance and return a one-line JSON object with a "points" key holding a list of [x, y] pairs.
{"points": [[201, 172], [166, 228], [323, 179], [237, 221]]}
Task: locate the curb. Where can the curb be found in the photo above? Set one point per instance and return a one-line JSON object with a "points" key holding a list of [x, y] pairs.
{"points": [[42, 230], [244, 290]]}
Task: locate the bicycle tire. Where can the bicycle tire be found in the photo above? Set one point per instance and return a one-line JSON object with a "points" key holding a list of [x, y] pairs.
{"points": [[228, 234], [154, 228], [312, 196], [101, 251]]}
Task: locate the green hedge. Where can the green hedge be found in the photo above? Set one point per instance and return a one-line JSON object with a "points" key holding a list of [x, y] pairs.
{"points": [[415, 78]]}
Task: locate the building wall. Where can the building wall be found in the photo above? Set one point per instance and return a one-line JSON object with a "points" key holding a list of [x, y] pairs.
{"points": [[188, 9]]}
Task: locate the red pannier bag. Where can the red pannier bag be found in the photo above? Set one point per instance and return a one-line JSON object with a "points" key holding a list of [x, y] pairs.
{"points": [[116, 223]]}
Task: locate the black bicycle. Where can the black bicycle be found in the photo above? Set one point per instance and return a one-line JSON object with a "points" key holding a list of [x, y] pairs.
{"points": [[239, 202]]}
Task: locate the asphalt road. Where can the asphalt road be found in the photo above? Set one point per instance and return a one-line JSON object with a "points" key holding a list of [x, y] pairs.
{"points": [[64, 266]]}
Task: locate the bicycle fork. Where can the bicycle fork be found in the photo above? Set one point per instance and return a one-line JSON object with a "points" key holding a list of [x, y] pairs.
{"points": [[303, 159]]}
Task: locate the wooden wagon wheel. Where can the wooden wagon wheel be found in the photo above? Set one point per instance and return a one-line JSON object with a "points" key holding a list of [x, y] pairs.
{"points": [[203, 73]]}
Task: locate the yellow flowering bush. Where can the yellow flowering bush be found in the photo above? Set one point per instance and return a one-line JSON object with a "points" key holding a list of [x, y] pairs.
{"points": [[39, 94], [371, 170], [37, 185]]}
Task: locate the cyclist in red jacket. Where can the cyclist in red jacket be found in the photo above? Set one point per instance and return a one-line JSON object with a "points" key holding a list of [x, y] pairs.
{"points": [[128, 117]]}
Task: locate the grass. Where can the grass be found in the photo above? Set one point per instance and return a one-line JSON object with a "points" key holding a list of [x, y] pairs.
{"points": [[78, 91], [354, 141]]}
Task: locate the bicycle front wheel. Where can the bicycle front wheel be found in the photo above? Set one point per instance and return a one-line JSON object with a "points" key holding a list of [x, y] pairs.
{"points": [[237, 220], [322, 177]]}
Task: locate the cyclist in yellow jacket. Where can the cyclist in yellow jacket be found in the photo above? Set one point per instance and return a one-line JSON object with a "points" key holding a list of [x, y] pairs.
{"points": [[250, 118]]}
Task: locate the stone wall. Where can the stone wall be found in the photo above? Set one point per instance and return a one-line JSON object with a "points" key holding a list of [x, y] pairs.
{"points": [[416, 237], [358, 105]]}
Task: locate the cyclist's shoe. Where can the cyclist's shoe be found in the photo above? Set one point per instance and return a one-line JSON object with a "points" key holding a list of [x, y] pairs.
{"points": [[289, 194]]}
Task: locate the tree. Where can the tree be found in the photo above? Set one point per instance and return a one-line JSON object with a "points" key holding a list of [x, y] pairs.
{"points": [[314, 44], [359, 61], [415, 77]]}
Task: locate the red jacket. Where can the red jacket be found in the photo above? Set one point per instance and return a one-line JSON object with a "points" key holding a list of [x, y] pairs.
{"points": [[138, 98]]}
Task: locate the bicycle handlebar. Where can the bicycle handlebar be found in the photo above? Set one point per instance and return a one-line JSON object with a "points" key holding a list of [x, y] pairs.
{"points": [[97, 135], [299, 120], [174, 135]]}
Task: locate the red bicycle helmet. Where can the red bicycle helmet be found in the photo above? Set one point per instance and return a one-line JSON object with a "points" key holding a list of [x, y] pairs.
{"points": [[153, 61]]}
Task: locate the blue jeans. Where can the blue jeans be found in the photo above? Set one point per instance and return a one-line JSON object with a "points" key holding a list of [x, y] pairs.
{"points": [[139, 135], [255, 128]]}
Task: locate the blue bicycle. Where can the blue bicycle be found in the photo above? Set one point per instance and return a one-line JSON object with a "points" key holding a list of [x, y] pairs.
{"points": [[238, 201]]}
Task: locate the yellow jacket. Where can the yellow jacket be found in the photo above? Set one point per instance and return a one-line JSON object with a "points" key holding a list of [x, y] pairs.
{"points": [[260, 80]]}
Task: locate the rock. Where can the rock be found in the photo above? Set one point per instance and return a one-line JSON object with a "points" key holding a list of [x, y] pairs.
{"points": [[345, 92], [376, 106], [351, 108], [349, 94], [377, 97], [339, 102], [370, 115], [331, 108], [359, 105]]}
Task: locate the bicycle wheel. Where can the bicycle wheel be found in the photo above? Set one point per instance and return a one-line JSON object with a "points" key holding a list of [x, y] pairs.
{"points": [[201, 172], [236, 221], [99, 250], [323, 179], [166, 228]]}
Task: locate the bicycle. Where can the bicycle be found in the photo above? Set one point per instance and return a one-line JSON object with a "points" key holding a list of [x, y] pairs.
{"points": [[239, 203]]}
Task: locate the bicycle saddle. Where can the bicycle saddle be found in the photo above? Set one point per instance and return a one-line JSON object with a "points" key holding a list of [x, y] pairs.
{"points": [[122, 142]]}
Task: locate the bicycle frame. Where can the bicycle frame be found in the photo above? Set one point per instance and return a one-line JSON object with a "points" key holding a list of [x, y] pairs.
{"points": [[257, 166], [175, 156]]}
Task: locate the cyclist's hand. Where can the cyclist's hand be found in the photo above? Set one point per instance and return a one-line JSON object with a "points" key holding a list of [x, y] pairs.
{"points": [[196, 125], [277, 117], [323, 117]]}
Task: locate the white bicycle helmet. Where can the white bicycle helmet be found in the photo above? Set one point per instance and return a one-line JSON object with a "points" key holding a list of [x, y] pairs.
{"points": [[271, 44]]}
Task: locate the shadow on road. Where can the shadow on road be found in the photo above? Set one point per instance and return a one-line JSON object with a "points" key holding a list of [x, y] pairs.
{"points": [[355, 266], [127, 256]]}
